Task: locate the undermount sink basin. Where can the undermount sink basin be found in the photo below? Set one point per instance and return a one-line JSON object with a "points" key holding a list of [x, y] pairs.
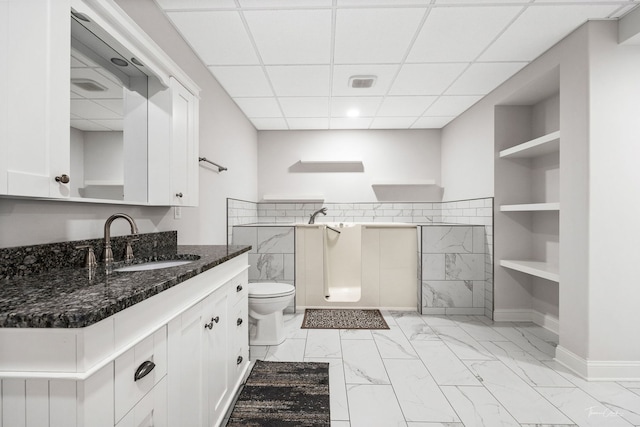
{"points": [[153, 265]]}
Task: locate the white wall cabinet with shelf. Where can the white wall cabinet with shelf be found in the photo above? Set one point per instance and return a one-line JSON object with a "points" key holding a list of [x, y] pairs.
{"points": [[527, 188], [37, 156], [86, 376]]}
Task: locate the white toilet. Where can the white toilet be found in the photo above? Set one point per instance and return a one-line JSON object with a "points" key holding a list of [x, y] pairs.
{"points": [[267, 301]]}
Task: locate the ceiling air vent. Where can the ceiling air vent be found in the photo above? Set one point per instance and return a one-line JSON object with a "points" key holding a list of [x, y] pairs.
{"points": [[88, 85], [362, 82]]}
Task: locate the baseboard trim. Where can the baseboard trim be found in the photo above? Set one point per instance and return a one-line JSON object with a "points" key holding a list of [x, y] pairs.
{"points": [[598, 370], [547, 321]]}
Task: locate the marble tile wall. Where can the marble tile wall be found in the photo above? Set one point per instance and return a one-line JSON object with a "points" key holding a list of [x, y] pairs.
{"points": [[272, 254], [476, 212], [453, 277], [240, 212], [471, 212]]}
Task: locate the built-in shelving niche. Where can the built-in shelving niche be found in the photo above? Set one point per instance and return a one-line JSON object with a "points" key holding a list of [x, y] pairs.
{"points": [[527, 200]]}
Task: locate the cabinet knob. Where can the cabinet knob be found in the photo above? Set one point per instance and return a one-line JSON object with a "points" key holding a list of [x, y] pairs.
{"points": [[64, 179], [208, 325], [239, 360], [238, 288], [215, 319], [239, 321], [179, 195], [143, 370]]}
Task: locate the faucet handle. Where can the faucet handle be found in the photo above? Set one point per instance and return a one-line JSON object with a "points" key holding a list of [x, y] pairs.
{"points": [[90, 259], [128, 254]]}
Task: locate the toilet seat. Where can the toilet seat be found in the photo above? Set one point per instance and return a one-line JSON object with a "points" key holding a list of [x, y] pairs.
{"points": [[263, 290]]}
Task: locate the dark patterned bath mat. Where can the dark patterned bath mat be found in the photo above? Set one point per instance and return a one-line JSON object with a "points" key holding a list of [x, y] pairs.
{"points": [[333, 318], [284, 394]]}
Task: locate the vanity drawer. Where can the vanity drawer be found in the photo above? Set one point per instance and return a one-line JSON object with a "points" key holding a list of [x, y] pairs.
{"points": [[240, 288], [138, 370], [151, 411]]}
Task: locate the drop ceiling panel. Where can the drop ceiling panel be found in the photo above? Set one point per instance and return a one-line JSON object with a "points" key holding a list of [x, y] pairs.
{"points": [[219, 38], [115, 105], [350, 123], [392, 122], [384, 77], [482, 77], [284, 3], [538, 28], [259, 107], [90, 110], [451, 105], [375, 36], [425, 79], [366, 107], [270, 124], [291, 36], [302, 80], [305, 106], [196, 4], [412, 106], [87, 125], [308, 123], [116, 125], [243, 81], [459, 34], [287, 63], [431, 122]]}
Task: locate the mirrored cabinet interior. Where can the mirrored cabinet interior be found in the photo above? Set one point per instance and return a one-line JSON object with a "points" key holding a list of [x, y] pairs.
{"points": [[116, 122]]}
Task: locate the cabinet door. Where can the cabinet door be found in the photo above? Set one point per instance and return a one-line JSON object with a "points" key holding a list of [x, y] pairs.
{"points": [[216, 354], [184, 161], [186, 366], [173, 145], [34, 129]]}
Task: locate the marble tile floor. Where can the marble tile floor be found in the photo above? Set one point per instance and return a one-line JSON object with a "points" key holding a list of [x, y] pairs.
{"points": [[454, 371]]}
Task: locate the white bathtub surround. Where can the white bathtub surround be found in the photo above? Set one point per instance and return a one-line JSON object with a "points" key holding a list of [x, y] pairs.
{"points": [[363, 266]]}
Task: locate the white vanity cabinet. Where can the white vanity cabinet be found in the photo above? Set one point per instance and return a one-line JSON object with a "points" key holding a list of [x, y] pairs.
{"points": [[192, 333], [34, 105], [208, 348]]}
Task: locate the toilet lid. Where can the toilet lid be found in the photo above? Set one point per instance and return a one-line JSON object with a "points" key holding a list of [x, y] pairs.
{"points": [[269, 290]]}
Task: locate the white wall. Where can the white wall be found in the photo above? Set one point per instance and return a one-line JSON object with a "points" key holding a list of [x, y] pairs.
{"points": [[103, 156], [226, 136], [387, 156], [614, 196]]}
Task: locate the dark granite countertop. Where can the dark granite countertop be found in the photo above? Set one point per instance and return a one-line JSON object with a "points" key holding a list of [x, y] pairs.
{"points": [[69, 298]]}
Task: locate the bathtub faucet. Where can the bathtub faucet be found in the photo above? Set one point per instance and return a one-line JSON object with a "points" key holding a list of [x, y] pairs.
{"points": [[322, 211]]}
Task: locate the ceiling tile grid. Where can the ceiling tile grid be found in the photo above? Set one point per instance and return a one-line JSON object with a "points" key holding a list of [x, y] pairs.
{"points": [[288, 63]]}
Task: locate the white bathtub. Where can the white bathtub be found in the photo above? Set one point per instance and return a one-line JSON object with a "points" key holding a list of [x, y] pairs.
{"points": [[362, 265]]}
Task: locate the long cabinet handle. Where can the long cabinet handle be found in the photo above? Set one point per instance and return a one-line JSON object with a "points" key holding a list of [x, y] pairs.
{"points": [[143, 370]]}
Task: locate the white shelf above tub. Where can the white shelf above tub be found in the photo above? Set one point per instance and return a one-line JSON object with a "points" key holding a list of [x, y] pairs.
{"points": [[531, 207], [418, 183], [534, 268], [549, 143], [305, 198], [327, 166]]}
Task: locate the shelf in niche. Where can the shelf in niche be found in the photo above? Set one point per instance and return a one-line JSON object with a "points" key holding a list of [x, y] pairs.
{"points": [[531, 207], [534, 268], [275, 198], [327, 166], [549, 143]]}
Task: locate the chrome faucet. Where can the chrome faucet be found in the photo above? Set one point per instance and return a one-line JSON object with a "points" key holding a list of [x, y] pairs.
{"points": [[108, 253], [322, 211]]}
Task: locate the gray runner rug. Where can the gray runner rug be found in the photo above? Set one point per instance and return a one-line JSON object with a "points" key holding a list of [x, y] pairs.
{"points": [[284, 394]]}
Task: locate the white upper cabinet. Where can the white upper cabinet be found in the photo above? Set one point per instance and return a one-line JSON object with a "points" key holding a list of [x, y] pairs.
{"points": [[34, 106], [78, 119]]}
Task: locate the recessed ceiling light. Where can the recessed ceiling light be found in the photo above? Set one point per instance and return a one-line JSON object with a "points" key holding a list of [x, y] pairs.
{"points": [[80, 16], [354, 112], [136, 62], [362, 82], [89, 85]]}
